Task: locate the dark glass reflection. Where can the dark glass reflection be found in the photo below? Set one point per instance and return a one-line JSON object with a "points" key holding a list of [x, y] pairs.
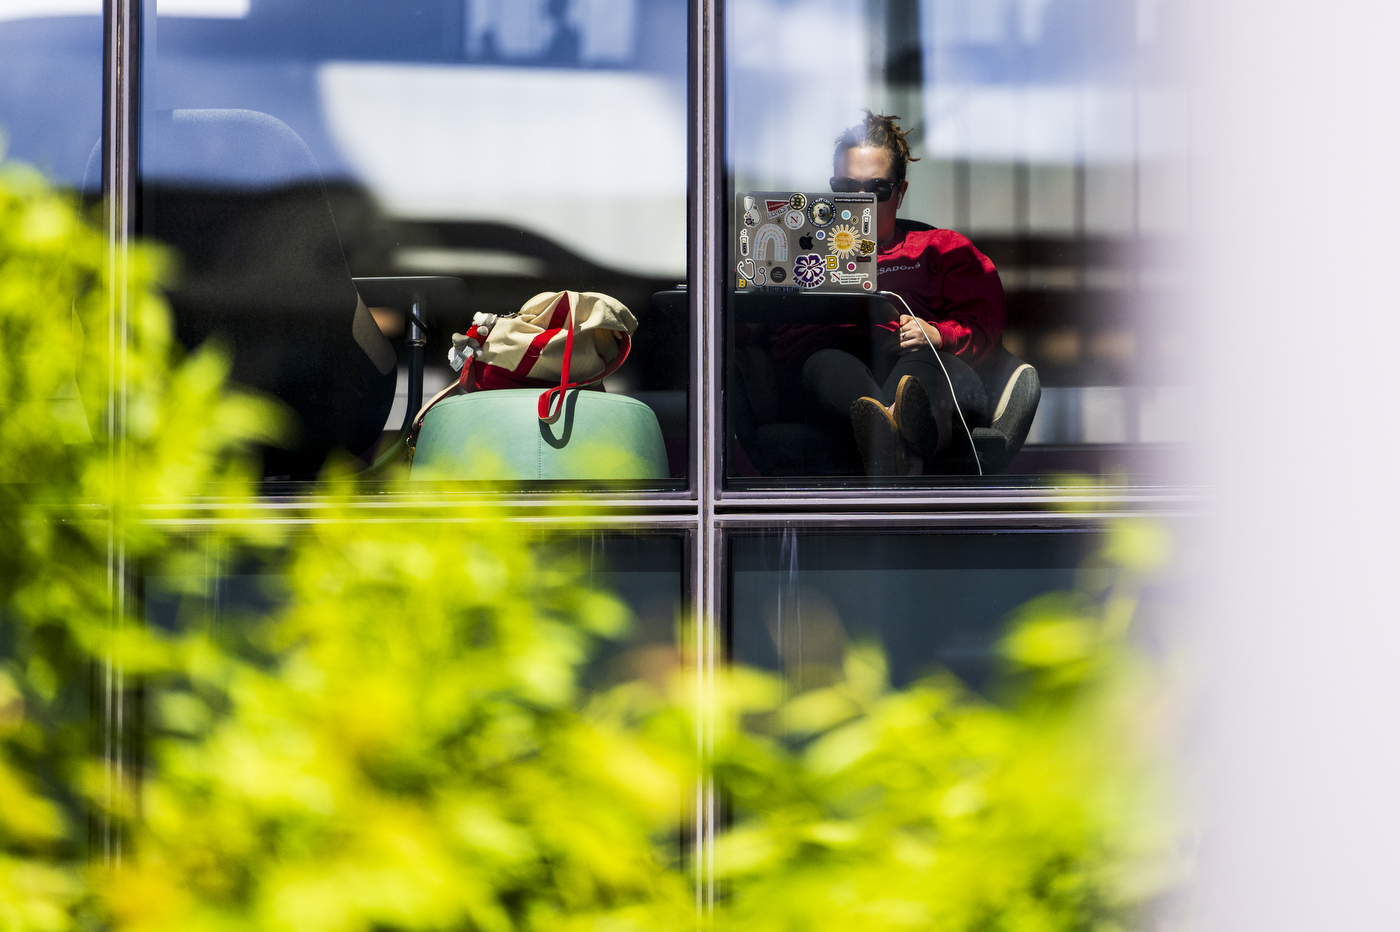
{"points": [[930, 600]]}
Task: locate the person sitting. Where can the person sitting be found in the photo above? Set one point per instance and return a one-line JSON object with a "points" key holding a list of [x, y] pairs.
{"points": [[887, 388]]}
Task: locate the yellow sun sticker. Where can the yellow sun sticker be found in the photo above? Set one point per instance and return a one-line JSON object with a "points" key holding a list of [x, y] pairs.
{"points": [[843, 240]]}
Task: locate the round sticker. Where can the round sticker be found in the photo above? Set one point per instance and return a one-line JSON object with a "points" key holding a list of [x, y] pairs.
{"points": [[821, 212], [843, 241], [798, 201], [845, 215], [778, 274], [794, 220], [850, 266], [866, 285], [821, 234]]}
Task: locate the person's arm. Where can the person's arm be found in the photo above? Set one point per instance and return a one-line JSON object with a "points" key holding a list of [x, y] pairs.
{"points": [[973, 311]]}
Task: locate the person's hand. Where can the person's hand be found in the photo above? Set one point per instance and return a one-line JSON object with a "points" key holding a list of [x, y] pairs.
{"points": [[911, 334]]}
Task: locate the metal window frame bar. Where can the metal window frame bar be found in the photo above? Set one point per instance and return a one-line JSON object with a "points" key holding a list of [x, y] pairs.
{"points": [[114, 700], [939, 523], [707, 280]]}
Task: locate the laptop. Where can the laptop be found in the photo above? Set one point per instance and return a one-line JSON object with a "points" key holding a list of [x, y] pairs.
{"points": [[796, 241]]}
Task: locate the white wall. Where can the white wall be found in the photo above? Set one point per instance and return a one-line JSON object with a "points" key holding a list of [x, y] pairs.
{"points": [[1296, 190]]}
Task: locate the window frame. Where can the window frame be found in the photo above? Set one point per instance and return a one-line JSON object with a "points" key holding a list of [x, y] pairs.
{"points": [[705, 511]]}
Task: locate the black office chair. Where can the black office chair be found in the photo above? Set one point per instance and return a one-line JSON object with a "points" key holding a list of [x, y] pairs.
{"points": [[239, 197], [1014, 387]]}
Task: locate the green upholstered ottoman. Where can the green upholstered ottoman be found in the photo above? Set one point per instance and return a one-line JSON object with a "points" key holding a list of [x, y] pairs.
{"points": [[498, 436]]}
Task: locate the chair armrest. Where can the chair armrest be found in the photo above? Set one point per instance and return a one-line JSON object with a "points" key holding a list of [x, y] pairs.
{"points": [[1012, 419]]}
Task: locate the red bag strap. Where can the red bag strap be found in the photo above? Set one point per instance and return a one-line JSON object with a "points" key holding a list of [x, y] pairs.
{"points": [[549, 412], [550, 408]]}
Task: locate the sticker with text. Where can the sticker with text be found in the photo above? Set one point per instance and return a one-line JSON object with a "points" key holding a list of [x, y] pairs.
{"points": [[807, 270], [771, 242]]}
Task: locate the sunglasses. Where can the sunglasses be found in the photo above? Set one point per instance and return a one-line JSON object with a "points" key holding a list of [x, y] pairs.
{"points": [[882, 188]]}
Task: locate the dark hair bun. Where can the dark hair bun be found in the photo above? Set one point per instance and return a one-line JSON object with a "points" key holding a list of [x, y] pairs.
{"points": [[879, 131]]}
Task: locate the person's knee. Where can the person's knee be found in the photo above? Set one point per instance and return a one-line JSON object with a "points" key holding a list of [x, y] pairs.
{"points": [[826, 363], [823, 358]]}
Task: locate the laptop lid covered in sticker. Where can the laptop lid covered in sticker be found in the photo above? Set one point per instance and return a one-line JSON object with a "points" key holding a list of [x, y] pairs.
{"points": [[798, 241]]}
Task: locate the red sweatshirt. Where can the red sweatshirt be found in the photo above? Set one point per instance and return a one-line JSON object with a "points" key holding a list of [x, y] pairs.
{"points": [[946, 281], [949, 284]]}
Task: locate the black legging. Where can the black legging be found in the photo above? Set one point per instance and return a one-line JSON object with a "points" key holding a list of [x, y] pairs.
{"points": [[837, 379]]}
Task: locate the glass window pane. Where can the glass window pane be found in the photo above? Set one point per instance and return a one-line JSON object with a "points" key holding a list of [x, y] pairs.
{"points": [[402, 632], [51, 88], [293, 151], [1045, 199], [646, 572], [931, 601]]}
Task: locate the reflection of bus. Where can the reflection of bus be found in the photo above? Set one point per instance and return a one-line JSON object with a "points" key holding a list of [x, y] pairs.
{"points": [[563, 120], [524, 146]]}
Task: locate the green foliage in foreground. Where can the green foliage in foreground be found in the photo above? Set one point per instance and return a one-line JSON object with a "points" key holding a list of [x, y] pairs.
{"points": [[929, 808], [411, 755], [405, 746]]}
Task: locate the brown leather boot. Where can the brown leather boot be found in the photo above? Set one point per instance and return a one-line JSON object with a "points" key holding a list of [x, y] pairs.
{"points": [[914, 417], [877, 436]]}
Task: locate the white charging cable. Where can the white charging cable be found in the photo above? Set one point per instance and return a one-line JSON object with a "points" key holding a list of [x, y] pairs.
{"points": [[951, 392]]}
